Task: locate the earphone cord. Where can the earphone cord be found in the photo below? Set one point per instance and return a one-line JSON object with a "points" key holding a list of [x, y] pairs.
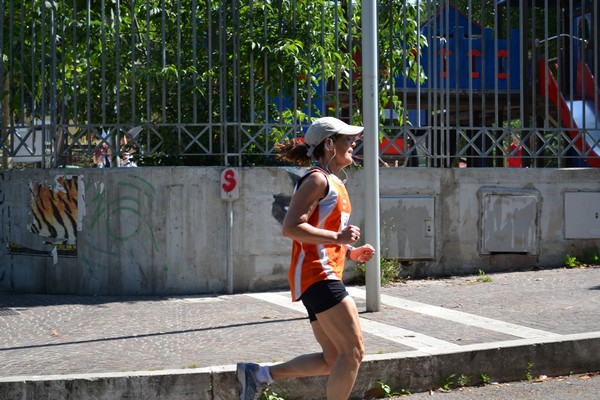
{"points": [[342, 170], [346, 178], [332, 157]]}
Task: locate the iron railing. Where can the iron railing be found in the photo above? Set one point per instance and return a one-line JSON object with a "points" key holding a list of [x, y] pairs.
{"points": [[210, 82]]}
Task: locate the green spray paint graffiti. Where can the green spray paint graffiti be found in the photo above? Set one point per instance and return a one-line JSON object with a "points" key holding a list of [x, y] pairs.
{"points": [[111, 209]]}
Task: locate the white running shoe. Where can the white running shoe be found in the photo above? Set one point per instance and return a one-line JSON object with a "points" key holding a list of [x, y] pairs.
{"points": [[251, 387]]}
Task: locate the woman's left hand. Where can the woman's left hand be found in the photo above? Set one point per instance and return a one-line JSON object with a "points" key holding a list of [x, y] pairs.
{"points": [[363, 253]]}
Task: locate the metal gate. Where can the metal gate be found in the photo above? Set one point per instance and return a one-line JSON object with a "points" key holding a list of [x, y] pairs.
{"points": [[190, 82]]}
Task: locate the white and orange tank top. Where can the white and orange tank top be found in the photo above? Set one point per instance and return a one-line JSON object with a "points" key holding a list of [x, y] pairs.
{"points": [[312, 263]]}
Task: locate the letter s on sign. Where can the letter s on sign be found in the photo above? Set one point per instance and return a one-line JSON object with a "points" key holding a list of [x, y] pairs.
{"points": [[229, 184]]}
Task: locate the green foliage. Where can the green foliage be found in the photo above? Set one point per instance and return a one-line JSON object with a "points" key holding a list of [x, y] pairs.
{"points": [[389, 270], [448, 383], [193, 62], [594, 259], [384, 390], [528, 371], [398, 36], [387, 390], [270, 395], [484, 379], [483, 277], [463, 380], [571, 261], [591, 257], [487, 13]]}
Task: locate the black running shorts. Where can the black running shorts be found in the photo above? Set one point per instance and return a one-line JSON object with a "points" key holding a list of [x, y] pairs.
{"points": [[321, 296]]}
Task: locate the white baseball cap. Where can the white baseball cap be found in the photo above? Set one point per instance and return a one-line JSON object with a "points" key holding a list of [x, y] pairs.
{"points": [[325, 127]]}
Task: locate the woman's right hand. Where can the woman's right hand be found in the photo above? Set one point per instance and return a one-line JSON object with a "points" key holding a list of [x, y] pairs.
{"points": [[349, 235]]}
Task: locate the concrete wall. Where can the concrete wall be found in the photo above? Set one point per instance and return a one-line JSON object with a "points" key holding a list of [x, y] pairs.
{"points": [[167, 230]]}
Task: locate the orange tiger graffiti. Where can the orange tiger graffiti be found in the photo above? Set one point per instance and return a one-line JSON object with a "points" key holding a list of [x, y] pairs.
{"points": [[55, 210]]}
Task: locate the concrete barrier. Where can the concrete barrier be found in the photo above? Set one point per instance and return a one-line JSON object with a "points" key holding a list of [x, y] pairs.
{"points": [[166, 231], [415, 371]]}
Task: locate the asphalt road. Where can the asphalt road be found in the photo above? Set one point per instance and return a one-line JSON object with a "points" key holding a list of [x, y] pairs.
{"points": [[575, 387]]}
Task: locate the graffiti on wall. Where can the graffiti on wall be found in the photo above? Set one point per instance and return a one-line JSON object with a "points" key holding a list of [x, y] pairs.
{"points": [[281, 201], [54, 210], [59, 250], [128, 204], [121, 214], [56, 213]]}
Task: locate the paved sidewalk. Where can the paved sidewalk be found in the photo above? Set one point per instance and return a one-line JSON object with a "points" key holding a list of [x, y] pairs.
{"points": [[59, 335]]}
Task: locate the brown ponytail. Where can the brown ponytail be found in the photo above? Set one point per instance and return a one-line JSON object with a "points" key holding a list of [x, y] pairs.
{"points": [[295, 152]]}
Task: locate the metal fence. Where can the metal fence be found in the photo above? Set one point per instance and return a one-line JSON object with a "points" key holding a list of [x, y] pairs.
{"points": [[199, 82]]}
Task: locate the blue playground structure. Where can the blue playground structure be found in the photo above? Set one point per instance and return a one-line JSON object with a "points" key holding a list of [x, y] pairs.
{"points": [[466, 61], [463, 55]]}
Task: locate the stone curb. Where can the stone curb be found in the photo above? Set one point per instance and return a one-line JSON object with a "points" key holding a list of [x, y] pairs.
{"points": [[415, 371]]}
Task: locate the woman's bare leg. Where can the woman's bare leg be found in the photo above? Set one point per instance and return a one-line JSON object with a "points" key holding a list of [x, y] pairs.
{"points": [[315, 364], [338, 332], [341, 324]]}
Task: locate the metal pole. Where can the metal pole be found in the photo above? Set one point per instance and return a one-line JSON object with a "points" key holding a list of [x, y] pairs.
{"points": [[230, 191], [229, 247], [371, 152]]}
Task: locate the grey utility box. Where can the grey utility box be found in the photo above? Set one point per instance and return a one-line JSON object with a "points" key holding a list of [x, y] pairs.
{"points": [[582, 215], [509, 220], [407, 227]]}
